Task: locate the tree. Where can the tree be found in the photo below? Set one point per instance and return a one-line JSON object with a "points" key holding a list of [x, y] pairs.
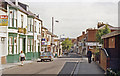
{"points": [[102, 32], [67, 44]]}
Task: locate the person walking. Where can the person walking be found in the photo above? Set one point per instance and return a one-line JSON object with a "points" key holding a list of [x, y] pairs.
{"points": [[89, 55], [22, 57]]}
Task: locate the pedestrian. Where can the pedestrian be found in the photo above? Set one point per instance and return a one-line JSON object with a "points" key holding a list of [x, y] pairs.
{"points": [[89, 55], [22, 57]]}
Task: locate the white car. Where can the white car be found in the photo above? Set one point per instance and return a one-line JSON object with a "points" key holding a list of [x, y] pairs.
{"points": [[46, 56]]}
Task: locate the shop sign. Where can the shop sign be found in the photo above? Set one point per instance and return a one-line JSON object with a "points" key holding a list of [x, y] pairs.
{"points": [[3, 20], [22, 30]]}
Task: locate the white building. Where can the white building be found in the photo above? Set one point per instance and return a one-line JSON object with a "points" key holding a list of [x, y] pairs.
{"points": [[23, 32], [3, 37]]}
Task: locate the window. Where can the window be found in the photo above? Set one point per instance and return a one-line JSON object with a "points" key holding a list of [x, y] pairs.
{"points": [[10, 45], [39, 28], [13, 18], [21, 21], [35, 26], [30, 25], [15, 46], [35, 45], [29, 45]]}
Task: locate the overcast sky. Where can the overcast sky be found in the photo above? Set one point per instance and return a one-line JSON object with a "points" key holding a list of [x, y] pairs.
{"points": [[75, 16]]}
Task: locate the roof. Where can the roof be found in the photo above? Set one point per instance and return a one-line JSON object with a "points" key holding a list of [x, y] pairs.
{"points": [[44, 28], [54, 36], [81, 37], [3, 9], [29, 13], [111, 34], [48, 32]]}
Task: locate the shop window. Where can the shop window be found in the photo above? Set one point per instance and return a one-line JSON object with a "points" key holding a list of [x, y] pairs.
{"points": [[10, 45], [29, 45], [32, 45], [35, 45], [15, 46]]}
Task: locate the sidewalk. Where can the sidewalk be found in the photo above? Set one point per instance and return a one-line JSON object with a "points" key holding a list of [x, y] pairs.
{"points": [[9, 65], [84, 67]]}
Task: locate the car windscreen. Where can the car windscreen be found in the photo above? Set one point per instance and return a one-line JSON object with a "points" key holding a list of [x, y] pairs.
{"points": [[46, 53]]}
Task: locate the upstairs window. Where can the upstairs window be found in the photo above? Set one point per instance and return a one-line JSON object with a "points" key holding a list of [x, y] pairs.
{"points": [[35, 26], [21, 21], [39, 28]]}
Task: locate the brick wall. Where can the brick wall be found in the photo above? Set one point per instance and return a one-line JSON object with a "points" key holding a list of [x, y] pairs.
{"points": [[91, 35]]}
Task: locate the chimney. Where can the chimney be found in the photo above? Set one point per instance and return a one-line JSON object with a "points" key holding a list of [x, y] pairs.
{"points": [[83, 33], [38, 16], [16, 2]]}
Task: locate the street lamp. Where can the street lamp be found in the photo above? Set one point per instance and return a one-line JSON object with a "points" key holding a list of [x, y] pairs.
{"points": [[53, 30], [53, 24]]}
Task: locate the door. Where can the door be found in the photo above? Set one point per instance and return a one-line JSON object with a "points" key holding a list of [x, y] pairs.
{"points": [[24, 42], [38, 51]]}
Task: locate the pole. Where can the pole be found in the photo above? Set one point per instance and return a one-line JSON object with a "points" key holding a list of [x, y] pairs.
{"points": [[52, 24], [52, 33]]}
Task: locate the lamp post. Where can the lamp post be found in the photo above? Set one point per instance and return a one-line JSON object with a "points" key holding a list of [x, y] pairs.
{"points": [[53, 30]]}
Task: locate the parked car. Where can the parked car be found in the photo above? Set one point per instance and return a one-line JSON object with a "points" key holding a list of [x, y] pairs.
{"points": [[46, 56]]}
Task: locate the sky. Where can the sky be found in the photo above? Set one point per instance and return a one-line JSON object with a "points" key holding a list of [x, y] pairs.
{"points": [[74, 16]]}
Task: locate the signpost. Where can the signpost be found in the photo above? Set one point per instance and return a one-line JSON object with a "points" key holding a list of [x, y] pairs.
{"points": [[3, 20]]}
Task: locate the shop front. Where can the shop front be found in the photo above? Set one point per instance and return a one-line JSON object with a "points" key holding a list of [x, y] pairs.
{"points": [[13, 53], [29, 54]]}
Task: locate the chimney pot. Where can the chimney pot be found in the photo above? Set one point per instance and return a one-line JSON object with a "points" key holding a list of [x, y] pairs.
{"points": [[83, 32]]}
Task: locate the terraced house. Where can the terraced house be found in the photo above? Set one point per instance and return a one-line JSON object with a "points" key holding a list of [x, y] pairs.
{"points": [[23, 32]]}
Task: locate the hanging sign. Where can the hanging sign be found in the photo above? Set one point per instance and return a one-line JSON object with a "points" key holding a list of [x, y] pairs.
{"points": [[3, 20]]}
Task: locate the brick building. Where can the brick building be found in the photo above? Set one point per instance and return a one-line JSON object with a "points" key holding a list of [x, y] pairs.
{"points": [[91, 43]]}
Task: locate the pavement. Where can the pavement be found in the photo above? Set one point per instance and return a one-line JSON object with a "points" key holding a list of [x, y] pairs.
{"points": [[84, 67], [10, 65]]}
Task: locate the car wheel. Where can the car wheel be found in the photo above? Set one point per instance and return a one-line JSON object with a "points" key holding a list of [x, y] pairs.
{"points": [[41, 60], [50, 59]]}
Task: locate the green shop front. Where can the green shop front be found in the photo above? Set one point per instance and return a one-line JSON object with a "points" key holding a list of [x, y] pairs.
{"points": [[29, 54], [13, 53]]}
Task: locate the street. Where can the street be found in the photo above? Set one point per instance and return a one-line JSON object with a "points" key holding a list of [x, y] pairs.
{"points": [[71, 64]]}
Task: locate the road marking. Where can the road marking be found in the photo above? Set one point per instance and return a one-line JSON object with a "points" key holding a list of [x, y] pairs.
{"points": [[72, 73]]}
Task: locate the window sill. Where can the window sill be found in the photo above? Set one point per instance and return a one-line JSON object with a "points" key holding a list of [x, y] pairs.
{"points": [[12, 28]]}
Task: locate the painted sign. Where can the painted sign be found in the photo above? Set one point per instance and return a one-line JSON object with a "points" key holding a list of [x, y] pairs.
{"points": [[22, 30], [3, 20]]}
